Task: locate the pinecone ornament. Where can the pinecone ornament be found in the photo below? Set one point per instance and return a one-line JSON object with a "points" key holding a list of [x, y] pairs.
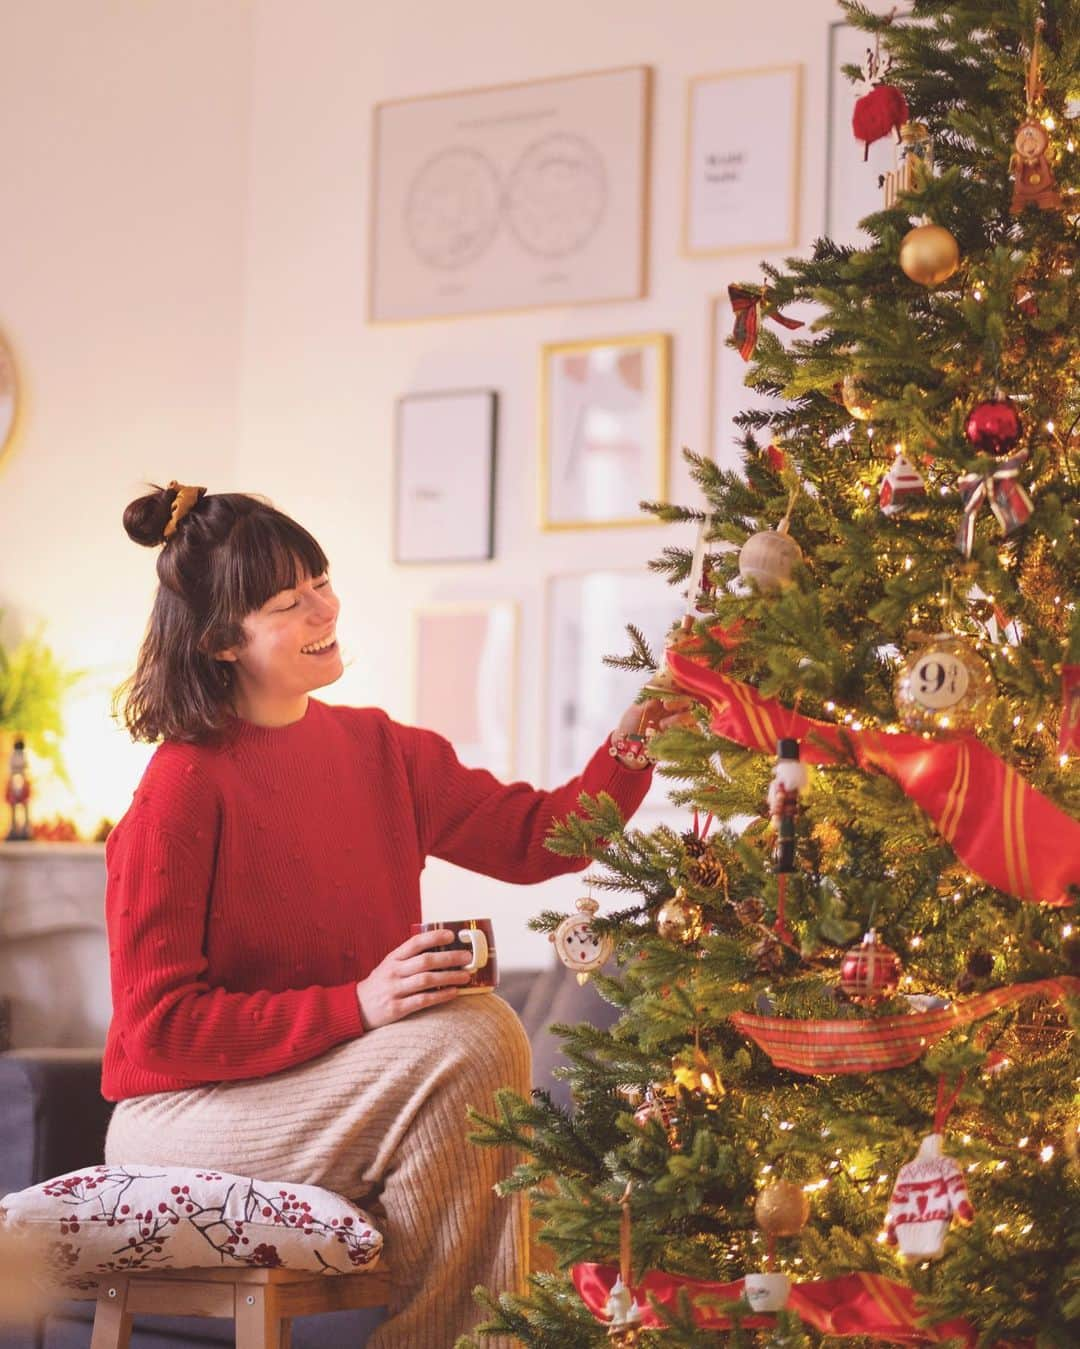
{"points": [[694, 844], [769, 954], [707, 871], [750, 912]]}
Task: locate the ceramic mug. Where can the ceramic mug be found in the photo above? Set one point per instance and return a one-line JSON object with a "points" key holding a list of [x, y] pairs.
{"points": [[766, 1292], [477, 936]]}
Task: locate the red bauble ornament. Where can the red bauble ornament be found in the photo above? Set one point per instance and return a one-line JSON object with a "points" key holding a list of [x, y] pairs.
{"points": [[882, 110], [994, 426], [870, 971]]}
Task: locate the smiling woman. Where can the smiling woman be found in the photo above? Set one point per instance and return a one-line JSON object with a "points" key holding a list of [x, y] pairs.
{"points": [[272, 1014]]}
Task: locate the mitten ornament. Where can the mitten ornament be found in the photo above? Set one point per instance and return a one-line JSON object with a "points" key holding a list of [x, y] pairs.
{"points": [[929, 1193]]}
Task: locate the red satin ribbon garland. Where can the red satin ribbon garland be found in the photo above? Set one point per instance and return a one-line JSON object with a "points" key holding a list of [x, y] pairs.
{"points": [[998, 825], [853, 1304]]}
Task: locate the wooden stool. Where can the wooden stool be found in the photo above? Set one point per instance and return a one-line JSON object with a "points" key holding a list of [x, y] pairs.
{"points": [[261, 1301]]}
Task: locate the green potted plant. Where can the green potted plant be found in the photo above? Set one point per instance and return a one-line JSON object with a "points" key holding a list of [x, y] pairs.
{"points": [[32, 689]]}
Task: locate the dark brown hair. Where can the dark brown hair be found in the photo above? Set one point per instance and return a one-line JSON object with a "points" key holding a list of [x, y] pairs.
{"points": [[230, 554]]}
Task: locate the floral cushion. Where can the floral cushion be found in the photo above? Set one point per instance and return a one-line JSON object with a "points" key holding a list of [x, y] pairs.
{"points": [[110, 1218]]}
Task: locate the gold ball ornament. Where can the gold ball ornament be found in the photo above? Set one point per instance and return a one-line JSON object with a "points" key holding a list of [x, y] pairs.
{"points": [[768, 558], [679, 918], [929, 254], [782, 1209], [856, 399], [943, 686]]}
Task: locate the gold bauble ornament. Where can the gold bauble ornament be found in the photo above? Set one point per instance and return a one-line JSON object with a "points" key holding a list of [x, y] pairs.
{"points": [[929, 254], [679, 918], [782, 1209], [700, 1075], [856, 399], [943, 686], [768, 558]]}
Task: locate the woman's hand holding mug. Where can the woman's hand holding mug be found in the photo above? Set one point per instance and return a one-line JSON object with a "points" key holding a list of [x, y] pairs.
{"points": [[415, 975]]}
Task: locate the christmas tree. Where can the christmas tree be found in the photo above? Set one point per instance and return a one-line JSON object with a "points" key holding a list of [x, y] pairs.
{"points": [[844, 1052]]}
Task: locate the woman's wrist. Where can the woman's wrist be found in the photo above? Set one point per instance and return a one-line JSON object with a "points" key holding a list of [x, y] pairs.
{"points": [[630, 748]]}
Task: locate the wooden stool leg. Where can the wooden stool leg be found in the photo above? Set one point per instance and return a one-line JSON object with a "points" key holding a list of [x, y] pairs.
{"points": [[112, 1324], [258, 1319]]}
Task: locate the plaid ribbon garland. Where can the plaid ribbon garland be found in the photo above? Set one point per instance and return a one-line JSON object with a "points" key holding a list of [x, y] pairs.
{"points": [[846, 1048], [745, 304], [998, 825], [1002, 490]]}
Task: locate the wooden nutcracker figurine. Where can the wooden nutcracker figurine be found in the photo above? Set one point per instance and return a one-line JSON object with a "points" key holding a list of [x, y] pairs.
{"points": [[789, 779], [17, 794]]}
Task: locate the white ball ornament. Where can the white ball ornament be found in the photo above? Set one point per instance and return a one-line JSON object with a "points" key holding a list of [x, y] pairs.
{"points": [[768, 558]]}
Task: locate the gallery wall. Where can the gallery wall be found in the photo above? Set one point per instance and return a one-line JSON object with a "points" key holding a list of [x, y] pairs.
{"points": [[186, 219]]}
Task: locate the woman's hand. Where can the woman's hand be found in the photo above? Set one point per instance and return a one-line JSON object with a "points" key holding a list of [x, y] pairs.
{"points": [[415, 975], [659, 713]]}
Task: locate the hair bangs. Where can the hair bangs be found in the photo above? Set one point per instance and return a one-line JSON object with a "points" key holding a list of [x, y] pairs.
{"points": [[274, 554]]}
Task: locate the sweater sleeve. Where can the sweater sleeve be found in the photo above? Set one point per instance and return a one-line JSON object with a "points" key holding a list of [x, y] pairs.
{"points": [[467, 816], [171, 1020]]}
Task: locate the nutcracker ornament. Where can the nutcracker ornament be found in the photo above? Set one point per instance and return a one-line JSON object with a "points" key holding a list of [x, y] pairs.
{"points": [[578, 945], [870, 971], [790, 777], [929, 1193], [901, 486], [943, 686], [17, 795]]}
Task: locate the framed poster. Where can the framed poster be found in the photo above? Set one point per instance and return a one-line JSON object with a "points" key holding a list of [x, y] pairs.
{"points": [[741, 190], [604, 428], [510, 197], [728, 395], [587, 616], [853, 185], [465, 679], [444, 476]]}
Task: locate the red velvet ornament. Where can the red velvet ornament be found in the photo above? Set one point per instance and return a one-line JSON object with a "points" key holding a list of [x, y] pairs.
{"points": [[994, 426], [882, 110], [870, 971]]}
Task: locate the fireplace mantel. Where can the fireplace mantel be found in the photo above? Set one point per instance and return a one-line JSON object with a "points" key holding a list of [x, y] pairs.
{"points": [[54, 963]]}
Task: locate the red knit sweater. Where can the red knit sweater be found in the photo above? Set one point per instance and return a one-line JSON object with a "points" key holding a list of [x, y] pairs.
{"points": [[251, 884]]}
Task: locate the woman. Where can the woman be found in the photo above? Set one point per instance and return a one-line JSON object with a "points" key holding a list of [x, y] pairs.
{"points": [[271, 1014]]}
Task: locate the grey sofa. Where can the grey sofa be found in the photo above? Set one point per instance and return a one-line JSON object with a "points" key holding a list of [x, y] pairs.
{"points": [[53, 1119]]}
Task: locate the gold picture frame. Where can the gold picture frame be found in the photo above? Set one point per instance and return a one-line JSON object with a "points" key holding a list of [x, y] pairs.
{"points": [[732, 195], [510, 197], [605, 430]]}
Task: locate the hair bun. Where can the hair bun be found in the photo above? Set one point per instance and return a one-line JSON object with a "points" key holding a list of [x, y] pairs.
{"points": [[145, 518]]}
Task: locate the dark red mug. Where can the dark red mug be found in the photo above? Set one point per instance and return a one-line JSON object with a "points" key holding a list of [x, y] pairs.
{"points": [[476, 935]]}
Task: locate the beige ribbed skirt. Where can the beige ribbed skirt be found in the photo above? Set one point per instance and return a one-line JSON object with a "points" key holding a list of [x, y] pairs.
{"points": [[381, 1120]]}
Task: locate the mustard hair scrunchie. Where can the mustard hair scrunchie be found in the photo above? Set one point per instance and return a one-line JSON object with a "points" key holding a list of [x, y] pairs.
{"points": [[186, 498]]}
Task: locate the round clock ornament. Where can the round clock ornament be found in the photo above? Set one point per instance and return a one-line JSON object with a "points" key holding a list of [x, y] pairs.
{"points": [[943, 686], [578, 945]]}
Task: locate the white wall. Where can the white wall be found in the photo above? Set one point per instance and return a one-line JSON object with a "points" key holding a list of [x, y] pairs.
{"points": [[319, 384], [123, 224], [185, 220]]}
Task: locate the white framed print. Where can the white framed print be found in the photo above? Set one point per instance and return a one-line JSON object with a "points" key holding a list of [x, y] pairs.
{"points": [[465, 679], [604, 429], [444, 476], [587, 614], [510, 197], [743, 139]]}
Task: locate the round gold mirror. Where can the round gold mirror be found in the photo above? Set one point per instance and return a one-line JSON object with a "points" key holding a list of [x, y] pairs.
{"points": [[8, 390]]}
